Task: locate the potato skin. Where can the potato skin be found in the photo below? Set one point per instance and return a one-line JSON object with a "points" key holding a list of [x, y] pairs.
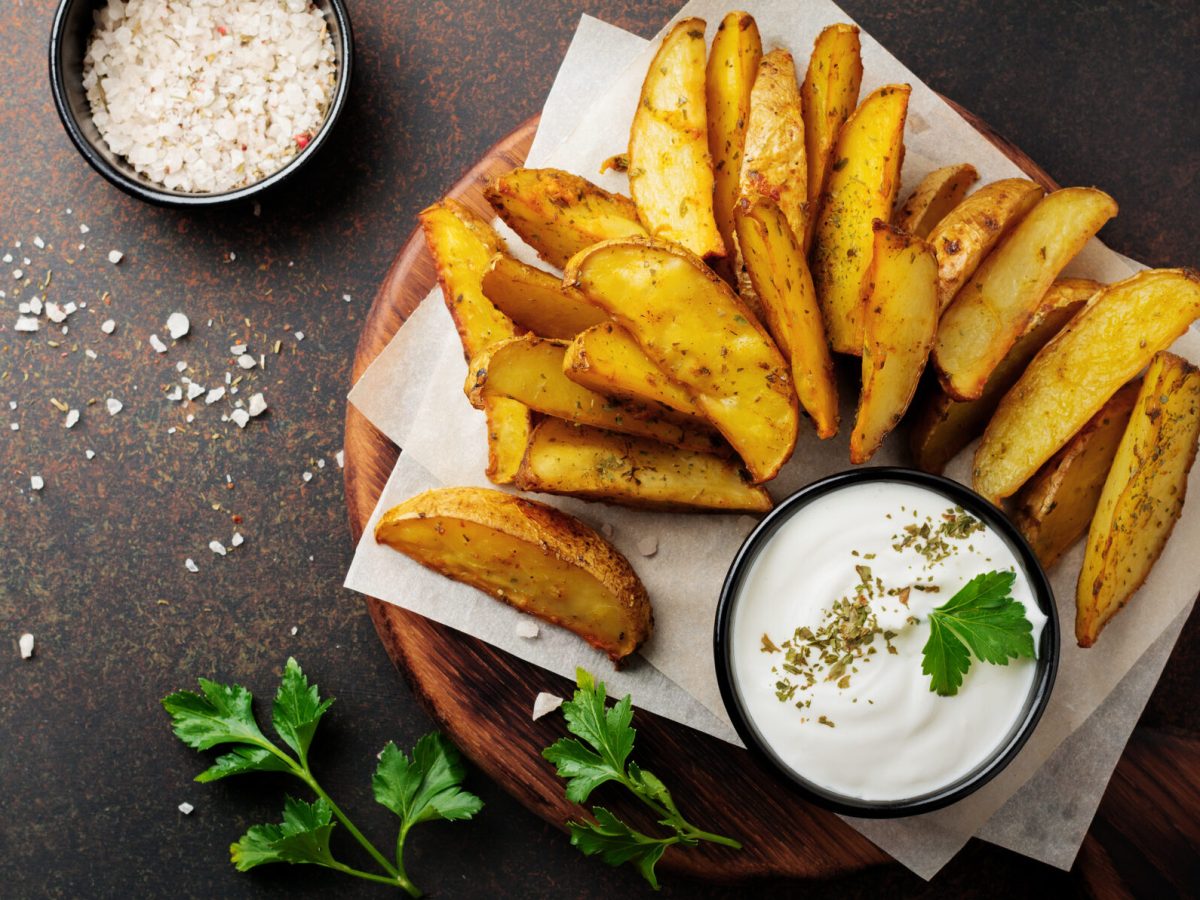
{"points": [[774, 165], [538, 559], [536, 300], [938, 193]]}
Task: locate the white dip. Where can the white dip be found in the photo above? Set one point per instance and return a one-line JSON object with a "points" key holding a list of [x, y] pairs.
{"points": [[885, 736]]}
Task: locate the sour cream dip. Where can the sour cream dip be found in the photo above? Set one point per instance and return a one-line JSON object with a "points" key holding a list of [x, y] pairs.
{"points": [[825, 640]]}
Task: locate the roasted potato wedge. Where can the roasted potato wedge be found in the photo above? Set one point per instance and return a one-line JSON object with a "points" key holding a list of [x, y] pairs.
{"points": [[938, 193], [777, 268], [828, 97], [775, 165], [689, 322], [602, 465], [558, 214], [1142, 496], [993, 309], [462, 245], [1099, 350], [1055, 507], [900, 319], [529, 555], [530, 370], [670, 169], [536, 300], [944, 426], [863, 180]]}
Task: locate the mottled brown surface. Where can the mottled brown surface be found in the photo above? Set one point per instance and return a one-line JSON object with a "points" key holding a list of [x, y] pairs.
{"points": [[89, 774]]}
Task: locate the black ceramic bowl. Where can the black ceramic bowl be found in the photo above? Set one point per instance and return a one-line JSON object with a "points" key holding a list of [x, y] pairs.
{"points": [[68, 44], [1047, 662]]}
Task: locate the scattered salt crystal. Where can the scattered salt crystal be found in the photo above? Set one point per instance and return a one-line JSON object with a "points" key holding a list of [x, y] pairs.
{"points": [[180, 366], [115, 256], [25, 643], [108, 326], [36, 482], [24, 309], [71, 419], [217, 547], [527, 629], [15, 426], [8, 257], [178, 325], [175, 393], [647, 546], [190, 565], [157, 344], [545, 703], [237, 349], [171, 430], [239, 417], [12, 404], [90, 454], [89, 353], [237, 540], [346, 297], [299, 335], [294, 630], [35, 306], [307, 476], [340, 456], [83, 229], [54, 312], [193, 391], [213, 396], [190, 419], [113, 405], [26, 323], [320, 463], [39, 243], [18, 274], [258, 405], [186, 808], [246, 361]]}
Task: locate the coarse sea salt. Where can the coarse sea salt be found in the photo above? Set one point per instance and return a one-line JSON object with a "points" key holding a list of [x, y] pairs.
{"points": [[178, 325]]}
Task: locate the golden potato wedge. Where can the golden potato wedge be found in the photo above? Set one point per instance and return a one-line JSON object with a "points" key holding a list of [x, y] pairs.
{"points": [[775, 165], [558, 214], [992, 310], [938, 193], [1099, 350], [732, 65], [670, 169], [828, 97], [536, 300], [689, 322], [944, 426], [863, 179], [1055, 507], [1142, 496], [529, 369], [606, 359], [601, 465], [529, 555], [900, 319], [462, 245], [967, 233], [779, 273]]}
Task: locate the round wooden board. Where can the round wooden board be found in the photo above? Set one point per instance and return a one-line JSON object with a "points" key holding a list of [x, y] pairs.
{"points": [[476, 692]]}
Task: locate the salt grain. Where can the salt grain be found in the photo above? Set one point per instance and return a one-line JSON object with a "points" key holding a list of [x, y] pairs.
{"points": [[90, 454], [246, 361], [36, 482], [340, 456], [178, 325], [194, 390], [157, 344], [115, 256], [258, 405], [113, 405], [213, 396], [26, 323], [186, 808], [526, 629], [25, 643], [237, 540], [544, 704], [190, 565], [647, 546], [239, 417], [109, 326], [217, 547], [71, 419]]}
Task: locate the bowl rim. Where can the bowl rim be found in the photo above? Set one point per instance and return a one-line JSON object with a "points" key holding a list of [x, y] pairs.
{"points": [[166, 197], [1047, 661]]}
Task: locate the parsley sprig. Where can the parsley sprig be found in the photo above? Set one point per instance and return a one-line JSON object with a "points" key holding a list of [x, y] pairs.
{"points": [[981, 619], [420, 789], [603, 756]]}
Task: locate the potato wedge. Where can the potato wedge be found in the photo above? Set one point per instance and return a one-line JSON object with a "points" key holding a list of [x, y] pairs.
{"points": [[530, 370], [1142, 496], [558, 214], [944, 426], [938, 193], [775, 165], [1055, 507], [828, 97], [536, 300], [689, 322], [606, 359], [1099, 350], [601, 465], [900, 319], [529, 555], [863, 179], [670, 169], [993, 309], [779, 273], [967, 233]]}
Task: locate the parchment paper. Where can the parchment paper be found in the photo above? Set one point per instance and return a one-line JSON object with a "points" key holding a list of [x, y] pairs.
{"points": [[413, 394]]}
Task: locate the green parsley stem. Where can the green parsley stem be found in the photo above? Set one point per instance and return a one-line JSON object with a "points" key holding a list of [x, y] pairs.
{"points": [[681, 825], [306, 776], [371, 876]]}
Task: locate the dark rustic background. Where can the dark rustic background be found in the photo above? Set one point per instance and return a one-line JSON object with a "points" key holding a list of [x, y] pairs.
{"points": [[1098, 92]]}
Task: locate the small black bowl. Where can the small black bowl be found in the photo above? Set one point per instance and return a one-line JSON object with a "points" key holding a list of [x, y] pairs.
{"points": [[68, 45], [1047, 661]]}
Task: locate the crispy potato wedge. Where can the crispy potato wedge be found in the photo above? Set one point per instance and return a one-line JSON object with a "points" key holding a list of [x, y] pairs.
{"points": [[775, 165], [601, 465], [732, 66], [967, 233], [828, 97], [606, 359], [536, 300], [689, 322], [1099, 350], [529, 369], [944, 426], [1055, 507], [863, 179], [993, 309], [900, 319], [938, 193], [670, 169], [529, 555], [776, 266], [558, 214], [462, 245], [1142, 496]]}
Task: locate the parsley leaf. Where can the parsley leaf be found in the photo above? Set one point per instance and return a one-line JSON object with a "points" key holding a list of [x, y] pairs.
{"points": [[427, 787], [221, 715], [302, 837], [617, 843], [981, 619], [298, 709], [241, 760]]}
